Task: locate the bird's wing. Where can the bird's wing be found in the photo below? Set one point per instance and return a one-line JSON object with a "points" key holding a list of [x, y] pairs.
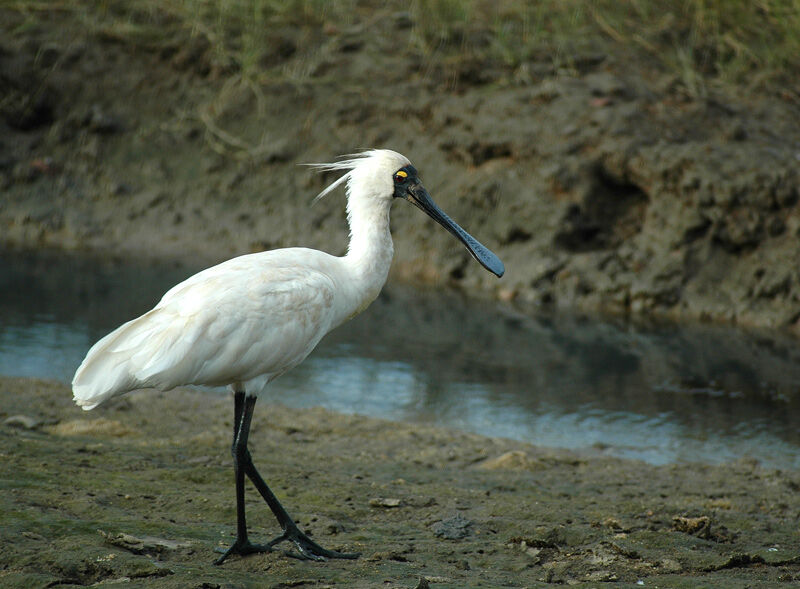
{"points": [[227, 324]]}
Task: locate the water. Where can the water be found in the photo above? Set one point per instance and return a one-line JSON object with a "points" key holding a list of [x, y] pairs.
{"points": [[660, 393]]}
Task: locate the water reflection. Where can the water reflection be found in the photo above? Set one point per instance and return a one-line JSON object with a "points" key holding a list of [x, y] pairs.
{"points": [[660, 393]]}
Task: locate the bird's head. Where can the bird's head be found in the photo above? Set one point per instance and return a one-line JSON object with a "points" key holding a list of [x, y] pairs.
{"points": [[384, 175]]}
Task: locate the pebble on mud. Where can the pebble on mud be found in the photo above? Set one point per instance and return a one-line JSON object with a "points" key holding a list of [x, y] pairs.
{"points": [[82, 427], [143, 545], [696, 526], [387, 502], [516, 460], [22, 422], [452, 528]]}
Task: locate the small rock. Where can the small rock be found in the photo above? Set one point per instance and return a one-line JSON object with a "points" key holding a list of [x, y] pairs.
{"points": [[603, 84], [601, 577], [121, 189], [387, 502], [515, 459], [48, 55], [507, 294], [101, 122], [422, 584], [437, 579], [276, 151], [452, 528], [82, 427], [737, 132], [334, 528], [613, 523], [697, 526], [403, 20], [669, 565], [21, 421], [145, 544], [740, 560]]}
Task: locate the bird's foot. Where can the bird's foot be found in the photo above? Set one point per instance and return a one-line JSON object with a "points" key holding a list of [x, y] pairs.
{"points": [[242, 548], [307, 549]]}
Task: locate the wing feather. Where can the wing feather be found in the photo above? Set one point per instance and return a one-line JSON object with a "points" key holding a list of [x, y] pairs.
{"points": [[253, 316]]}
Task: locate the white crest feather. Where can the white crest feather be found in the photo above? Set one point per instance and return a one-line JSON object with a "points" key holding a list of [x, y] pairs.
{"points": [[351, 162]]}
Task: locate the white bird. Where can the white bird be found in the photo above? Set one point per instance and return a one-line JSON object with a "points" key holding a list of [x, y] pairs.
{"points": [[248, 320]]}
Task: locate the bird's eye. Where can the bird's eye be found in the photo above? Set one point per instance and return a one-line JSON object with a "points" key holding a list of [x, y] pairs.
{"points": [[400, 176]]}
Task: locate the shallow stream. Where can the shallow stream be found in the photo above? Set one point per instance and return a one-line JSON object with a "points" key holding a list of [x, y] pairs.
{"points": [[660, 393]]}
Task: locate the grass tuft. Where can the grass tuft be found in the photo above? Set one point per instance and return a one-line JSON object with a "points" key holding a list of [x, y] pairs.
{"points": [[745, 42]]}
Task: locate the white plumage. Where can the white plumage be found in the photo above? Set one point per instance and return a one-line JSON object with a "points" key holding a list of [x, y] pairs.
{"points": [[254, 317], [246, 321]]}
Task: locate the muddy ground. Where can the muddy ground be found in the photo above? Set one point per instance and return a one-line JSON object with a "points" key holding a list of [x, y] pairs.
{"points": [[602, 183], [604, 180], [140, 493]]}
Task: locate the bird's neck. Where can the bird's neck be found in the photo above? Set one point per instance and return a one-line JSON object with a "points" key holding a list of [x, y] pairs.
{"points": [[369, 255]]}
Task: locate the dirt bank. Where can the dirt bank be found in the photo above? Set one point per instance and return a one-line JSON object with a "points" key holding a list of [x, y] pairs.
{"points": [[140, 492], [604, 183]]}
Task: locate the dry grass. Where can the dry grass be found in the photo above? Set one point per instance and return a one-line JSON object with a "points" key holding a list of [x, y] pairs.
{"points": [[733, 41], [744, 42]]}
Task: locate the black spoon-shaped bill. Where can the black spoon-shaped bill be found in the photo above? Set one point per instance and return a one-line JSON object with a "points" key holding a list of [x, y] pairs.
{"points": [[417, 195]]}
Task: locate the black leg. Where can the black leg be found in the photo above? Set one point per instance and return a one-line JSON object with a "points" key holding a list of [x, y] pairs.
{"points": [[241, 429], [243, 465], [307, 549]]}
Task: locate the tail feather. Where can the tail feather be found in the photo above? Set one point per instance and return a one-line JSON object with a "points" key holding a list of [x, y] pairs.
{"points": [[110, 367]]}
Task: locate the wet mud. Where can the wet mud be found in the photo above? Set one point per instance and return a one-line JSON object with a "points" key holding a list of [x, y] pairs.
{"points": [[602, 186], [140, 493]]}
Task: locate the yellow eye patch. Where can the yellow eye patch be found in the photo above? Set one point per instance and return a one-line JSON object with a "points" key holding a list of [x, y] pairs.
{"points": [[402, 174]]}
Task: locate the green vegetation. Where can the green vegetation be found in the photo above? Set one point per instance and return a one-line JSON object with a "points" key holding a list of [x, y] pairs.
{"points": [[751, 42], [733, 41]]}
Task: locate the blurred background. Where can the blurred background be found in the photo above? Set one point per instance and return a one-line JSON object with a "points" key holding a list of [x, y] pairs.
{"points": [[634, 164]]}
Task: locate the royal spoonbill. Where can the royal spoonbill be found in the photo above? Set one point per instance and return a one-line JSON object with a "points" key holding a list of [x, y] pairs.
{"points": [[248, 320]]}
